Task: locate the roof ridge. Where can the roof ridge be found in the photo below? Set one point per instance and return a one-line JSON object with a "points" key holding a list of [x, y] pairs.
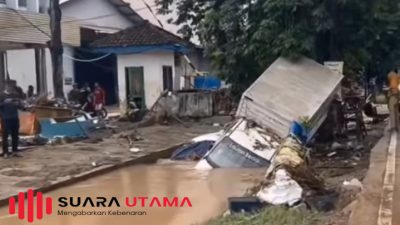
{"points": [[117, 4], [144, 33]]}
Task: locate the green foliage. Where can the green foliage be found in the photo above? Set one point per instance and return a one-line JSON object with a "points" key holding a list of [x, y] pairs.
{"points": [[271, 216], [243, 37]]}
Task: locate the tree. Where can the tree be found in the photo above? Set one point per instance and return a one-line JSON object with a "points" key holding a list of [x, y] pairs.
{"points": [[242, 37], [56, 48]]}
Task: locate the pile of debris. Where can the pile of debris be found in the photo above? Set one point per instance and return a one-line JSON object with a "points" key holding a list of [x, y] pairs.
{"points": [[56, 121], [277, 119]]}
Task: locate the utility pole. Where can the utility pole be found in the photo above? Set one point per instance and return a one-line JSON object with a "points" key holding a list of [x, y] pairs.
{"points": [[2, 71], [56, 48]]}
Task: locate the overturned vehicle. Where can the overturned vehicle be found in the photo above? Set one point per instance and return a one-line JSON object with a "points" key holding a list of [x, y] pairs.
{"points": [[292, 97]]}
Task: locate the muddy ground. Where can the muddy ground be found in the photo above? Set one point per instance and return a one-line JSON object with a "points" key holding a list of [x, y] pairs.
{"points": [[338, 165], [45, 165], [334, 166]]}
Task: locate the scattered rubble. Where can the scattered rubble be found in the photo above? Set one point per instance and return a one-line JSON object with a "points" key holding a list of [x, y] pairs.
{"points": [[134, 150], [353, 183]]}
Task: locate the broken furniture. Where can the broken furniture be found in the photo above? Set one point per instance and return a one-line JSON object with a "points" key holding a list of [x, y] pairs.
{"points": [[52, 112], [62, 122], [50, 128]]}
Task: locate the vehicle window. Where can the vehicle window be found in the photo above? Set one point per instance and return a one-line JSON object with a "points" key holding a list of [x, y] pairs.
{"points": [[228, 153]]}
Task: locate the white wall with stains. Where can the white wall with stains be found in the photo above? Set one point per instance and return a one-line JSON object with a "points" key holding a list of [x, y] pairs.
{"points": [[152, 64], [100, 14], [22, 68]]}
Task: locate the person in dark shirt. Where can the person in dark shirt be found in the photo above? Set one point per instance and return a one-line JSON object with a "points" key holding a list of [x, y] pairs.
{"points": [[9, 105], [87, 98], [31, 92], [17, 90], [74, 96]]}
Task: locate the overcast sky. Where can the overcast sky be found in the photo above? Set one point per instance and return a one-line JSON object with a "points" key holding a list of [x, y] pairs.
{"points": [[141, 9]]}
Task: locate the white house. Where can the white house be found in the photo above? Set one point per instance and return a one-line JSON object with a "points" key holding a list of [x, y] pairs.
{"points": [[104, 16], [140, 53], [127, 55], [146, 58]]}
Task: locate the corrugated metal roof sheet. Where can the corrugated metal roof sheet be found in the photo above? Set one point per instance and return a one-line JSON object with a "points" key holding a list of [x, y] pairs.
{"points": [[14, 27], [287, 91]]}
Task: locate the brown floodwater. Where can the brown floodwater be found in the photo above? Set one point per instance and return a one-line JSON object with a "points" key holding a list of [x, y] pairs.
{"points": [[207, 191]]}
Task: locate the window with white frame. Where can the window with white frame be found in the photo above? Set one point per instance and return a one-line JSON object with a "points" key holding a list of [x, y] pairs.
{"points": [[2, 2]]}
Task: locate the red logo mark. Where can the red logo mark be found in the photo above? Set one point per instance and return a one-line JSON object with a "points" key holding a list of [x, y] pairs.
{"points": [[31, 205]]}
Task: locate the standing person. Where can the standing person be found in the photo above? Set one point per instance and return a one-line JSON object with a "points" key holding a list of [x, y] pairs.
{"points": [[74, 95], [393, 101], [17, 90], [99, 98], [31, 92], [10, 102], [86, 98]]}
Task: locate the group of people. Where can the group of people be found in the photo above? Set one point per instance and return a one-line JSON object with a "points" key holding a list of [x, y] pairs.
{"points": [[12, 99], [90, 101]]}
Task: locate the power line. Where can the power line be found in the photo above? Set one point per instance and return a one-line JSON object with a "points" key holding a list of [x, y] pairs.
{"points": [[152, 13], [63, 22], [65, 55], [30, 22], [72, 20], [87, 60]]}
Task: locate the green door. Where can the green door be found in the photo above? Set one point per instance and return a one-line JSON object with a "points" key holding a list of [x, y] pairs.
{"points": [[135, 86]]}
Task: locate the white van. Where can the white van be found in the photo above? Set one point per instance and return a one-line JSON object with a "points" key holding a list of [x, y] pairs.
{"points": [[245, 145]]}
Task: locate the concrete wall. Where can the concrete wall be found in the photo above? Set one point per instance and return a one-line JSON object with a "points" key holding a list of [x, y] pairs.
{"points": [[85, 9], [152, 64], [32, 5], [68, 68], [12, 4], [22, 68]]}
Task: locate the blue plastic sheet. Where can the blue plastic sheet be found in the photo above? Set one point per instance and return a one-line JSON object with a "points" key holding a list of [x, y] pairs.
{"points": [[298, 131], [207, 83]]}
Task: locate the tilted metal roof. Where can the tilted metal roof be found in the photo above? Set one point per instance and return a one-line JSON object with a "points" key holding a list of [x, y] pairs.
{"points": [[288, 91]]}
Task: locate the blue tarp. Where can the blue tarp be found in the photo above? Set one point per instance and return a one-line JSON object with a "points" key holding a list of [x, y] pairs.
{"points": [[299, 131], [207, 83]]}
